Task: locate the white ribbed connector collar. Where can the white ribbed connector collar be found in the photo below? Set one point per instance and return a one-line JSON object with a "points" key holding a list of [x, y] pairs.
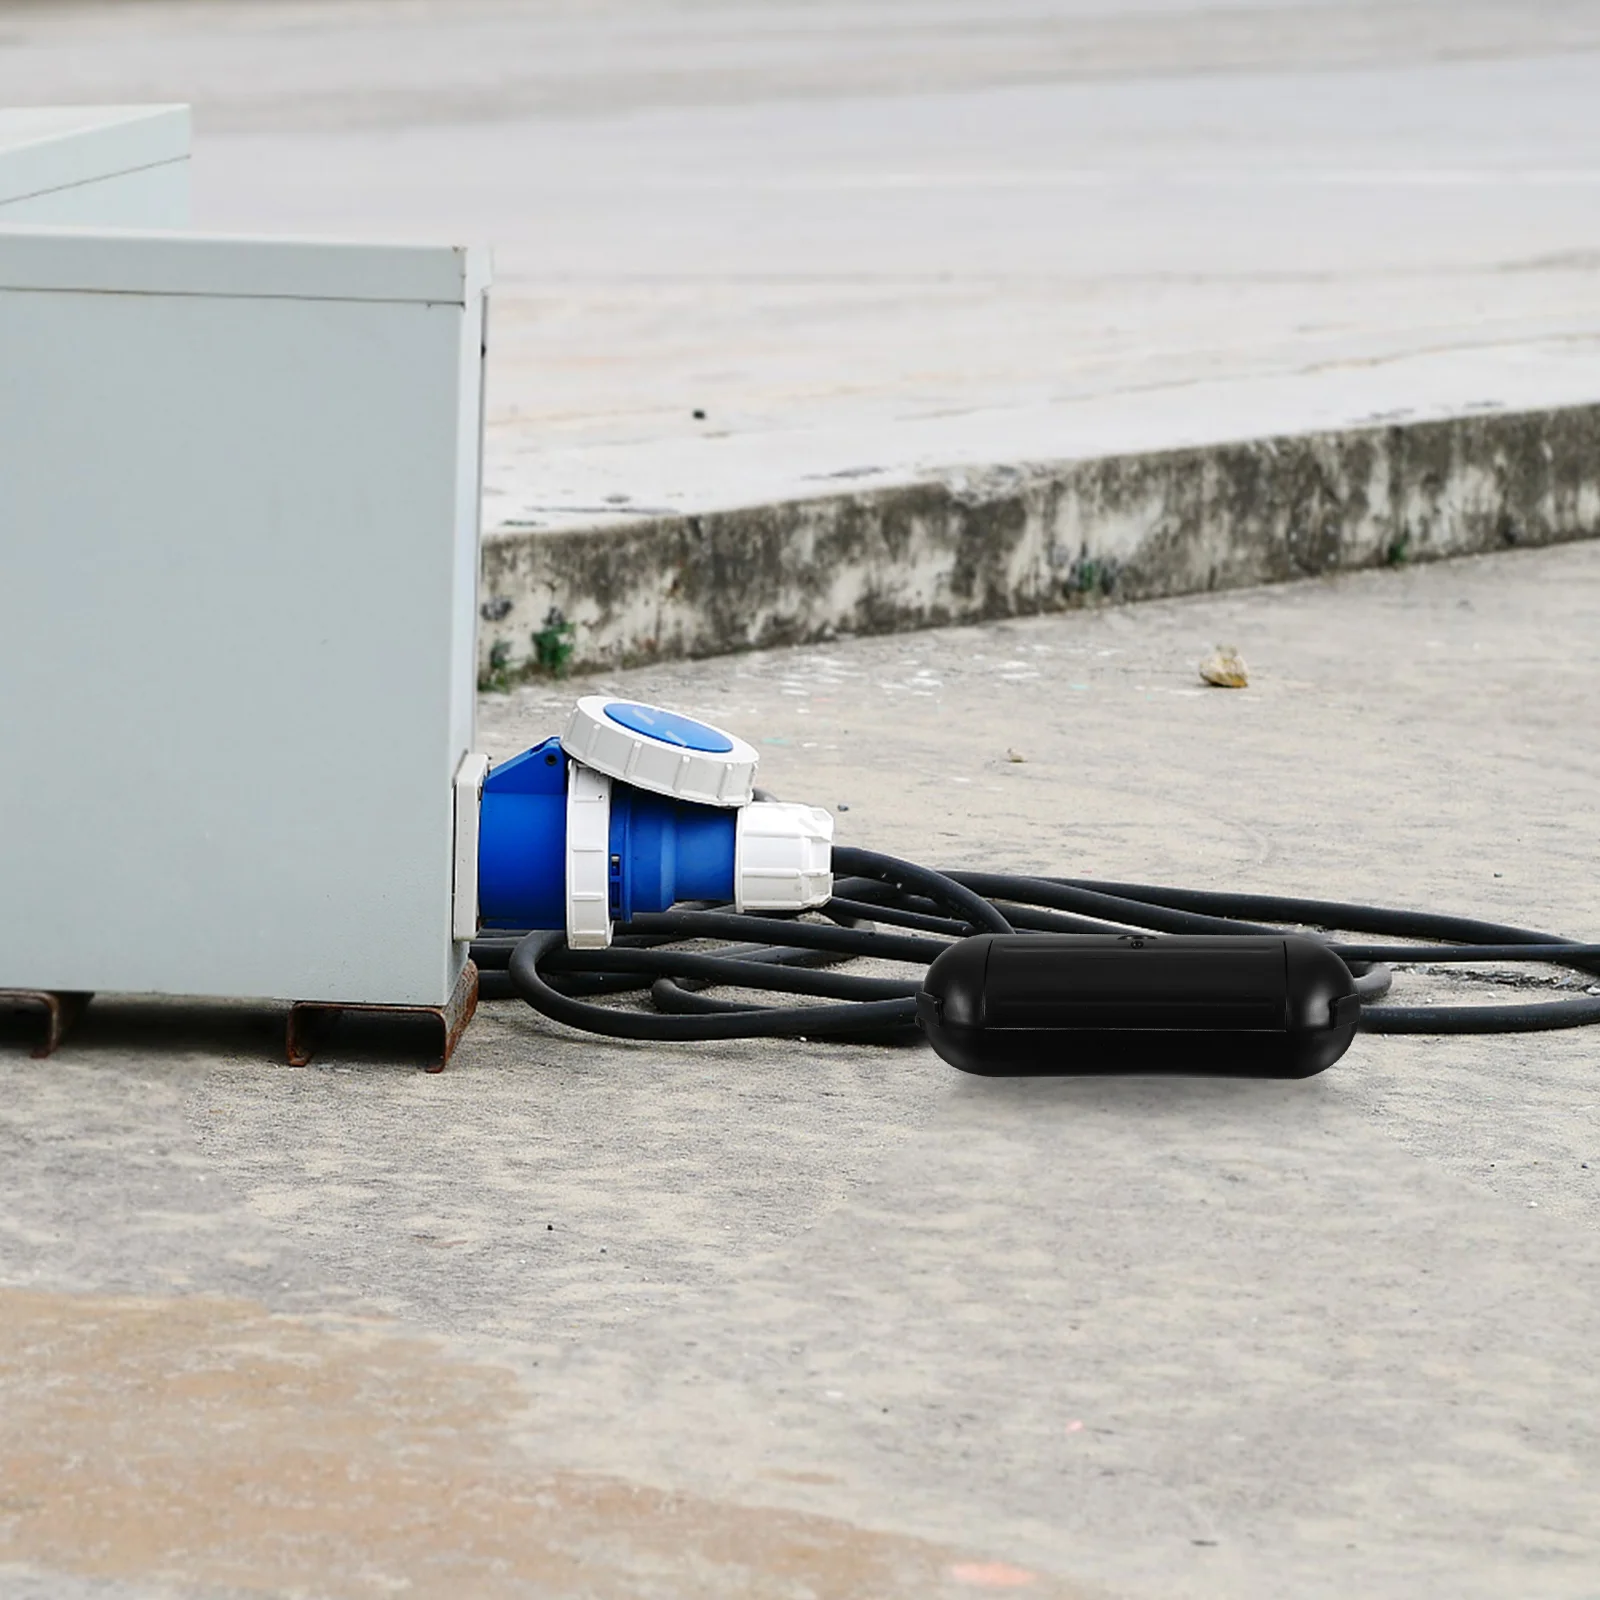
{"points": [[588, 858], [783, 857]]}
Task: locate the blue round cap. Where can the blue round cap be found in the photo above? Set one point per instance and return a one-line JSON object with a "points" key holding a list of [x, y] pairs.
{"points": [[669, 727]]}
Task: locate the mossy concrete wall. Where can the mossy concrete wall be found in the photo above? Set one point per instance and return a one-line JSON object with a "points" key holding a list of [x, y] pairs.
{"points": [[1005, 541]]}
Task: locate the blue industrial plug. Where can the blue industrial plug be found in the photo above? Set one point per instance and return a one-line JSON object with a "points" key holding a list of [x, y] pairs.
{"points": [[634, 809]]}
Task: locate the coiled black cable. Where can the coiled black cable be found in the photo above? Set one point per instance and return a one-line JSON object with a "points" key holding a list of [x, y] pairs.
{"points": [[890, 910]]}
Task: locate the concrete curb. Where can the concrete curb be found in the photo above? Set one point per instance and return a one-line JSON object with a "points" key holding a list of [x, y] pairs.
{"points": [[975, 544]]}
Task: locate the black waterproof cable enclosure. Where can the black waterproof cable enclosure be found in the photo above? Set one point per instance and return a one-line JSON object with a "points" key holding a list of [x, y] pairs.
{"points": [[1242, 1005]]}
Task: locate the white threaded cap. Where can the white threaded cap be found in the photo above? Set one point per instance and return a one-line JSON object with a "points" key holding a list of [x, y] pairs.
{"points": [[663, 751], [783, 857]]}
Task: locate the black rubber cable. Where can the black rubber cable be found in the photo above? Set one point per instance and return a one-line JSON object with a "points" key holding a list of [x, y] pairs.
{"points": [[746, 1022], [790, 956]]}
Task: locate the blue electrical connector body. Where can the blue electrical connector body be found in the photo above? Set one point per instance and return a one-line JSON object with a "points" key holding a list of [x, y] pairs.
{"points": [[662, 851], [522, 835]]}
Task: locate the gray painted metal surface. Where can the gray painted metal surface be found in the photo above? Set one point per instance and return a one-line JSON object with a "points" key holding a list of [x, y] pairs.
{"points": [[99, 166], [239, 485]]}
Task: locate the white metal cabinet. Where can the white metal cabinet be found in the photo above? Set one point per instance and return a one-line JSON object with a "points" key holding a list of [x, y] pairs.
{"points": [[94, 166], [239, 488]]}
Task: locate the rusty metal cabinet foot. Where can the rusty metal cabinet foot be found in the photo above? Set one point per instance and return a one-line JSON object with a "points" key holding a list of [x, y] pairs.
{"points": [[58, 1011], [309, 1020]]}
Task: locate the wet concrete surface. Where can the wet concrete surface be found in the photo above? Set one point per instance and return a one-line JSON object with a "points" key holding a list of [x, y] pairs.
{"points": [[581, 1317], [870, 240], [818, 318]]}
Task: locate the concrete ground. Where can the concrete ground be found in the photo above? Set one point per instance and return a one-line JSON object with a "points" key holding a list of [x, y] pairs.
{"points": [[874, 239], [583, 1318]]}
